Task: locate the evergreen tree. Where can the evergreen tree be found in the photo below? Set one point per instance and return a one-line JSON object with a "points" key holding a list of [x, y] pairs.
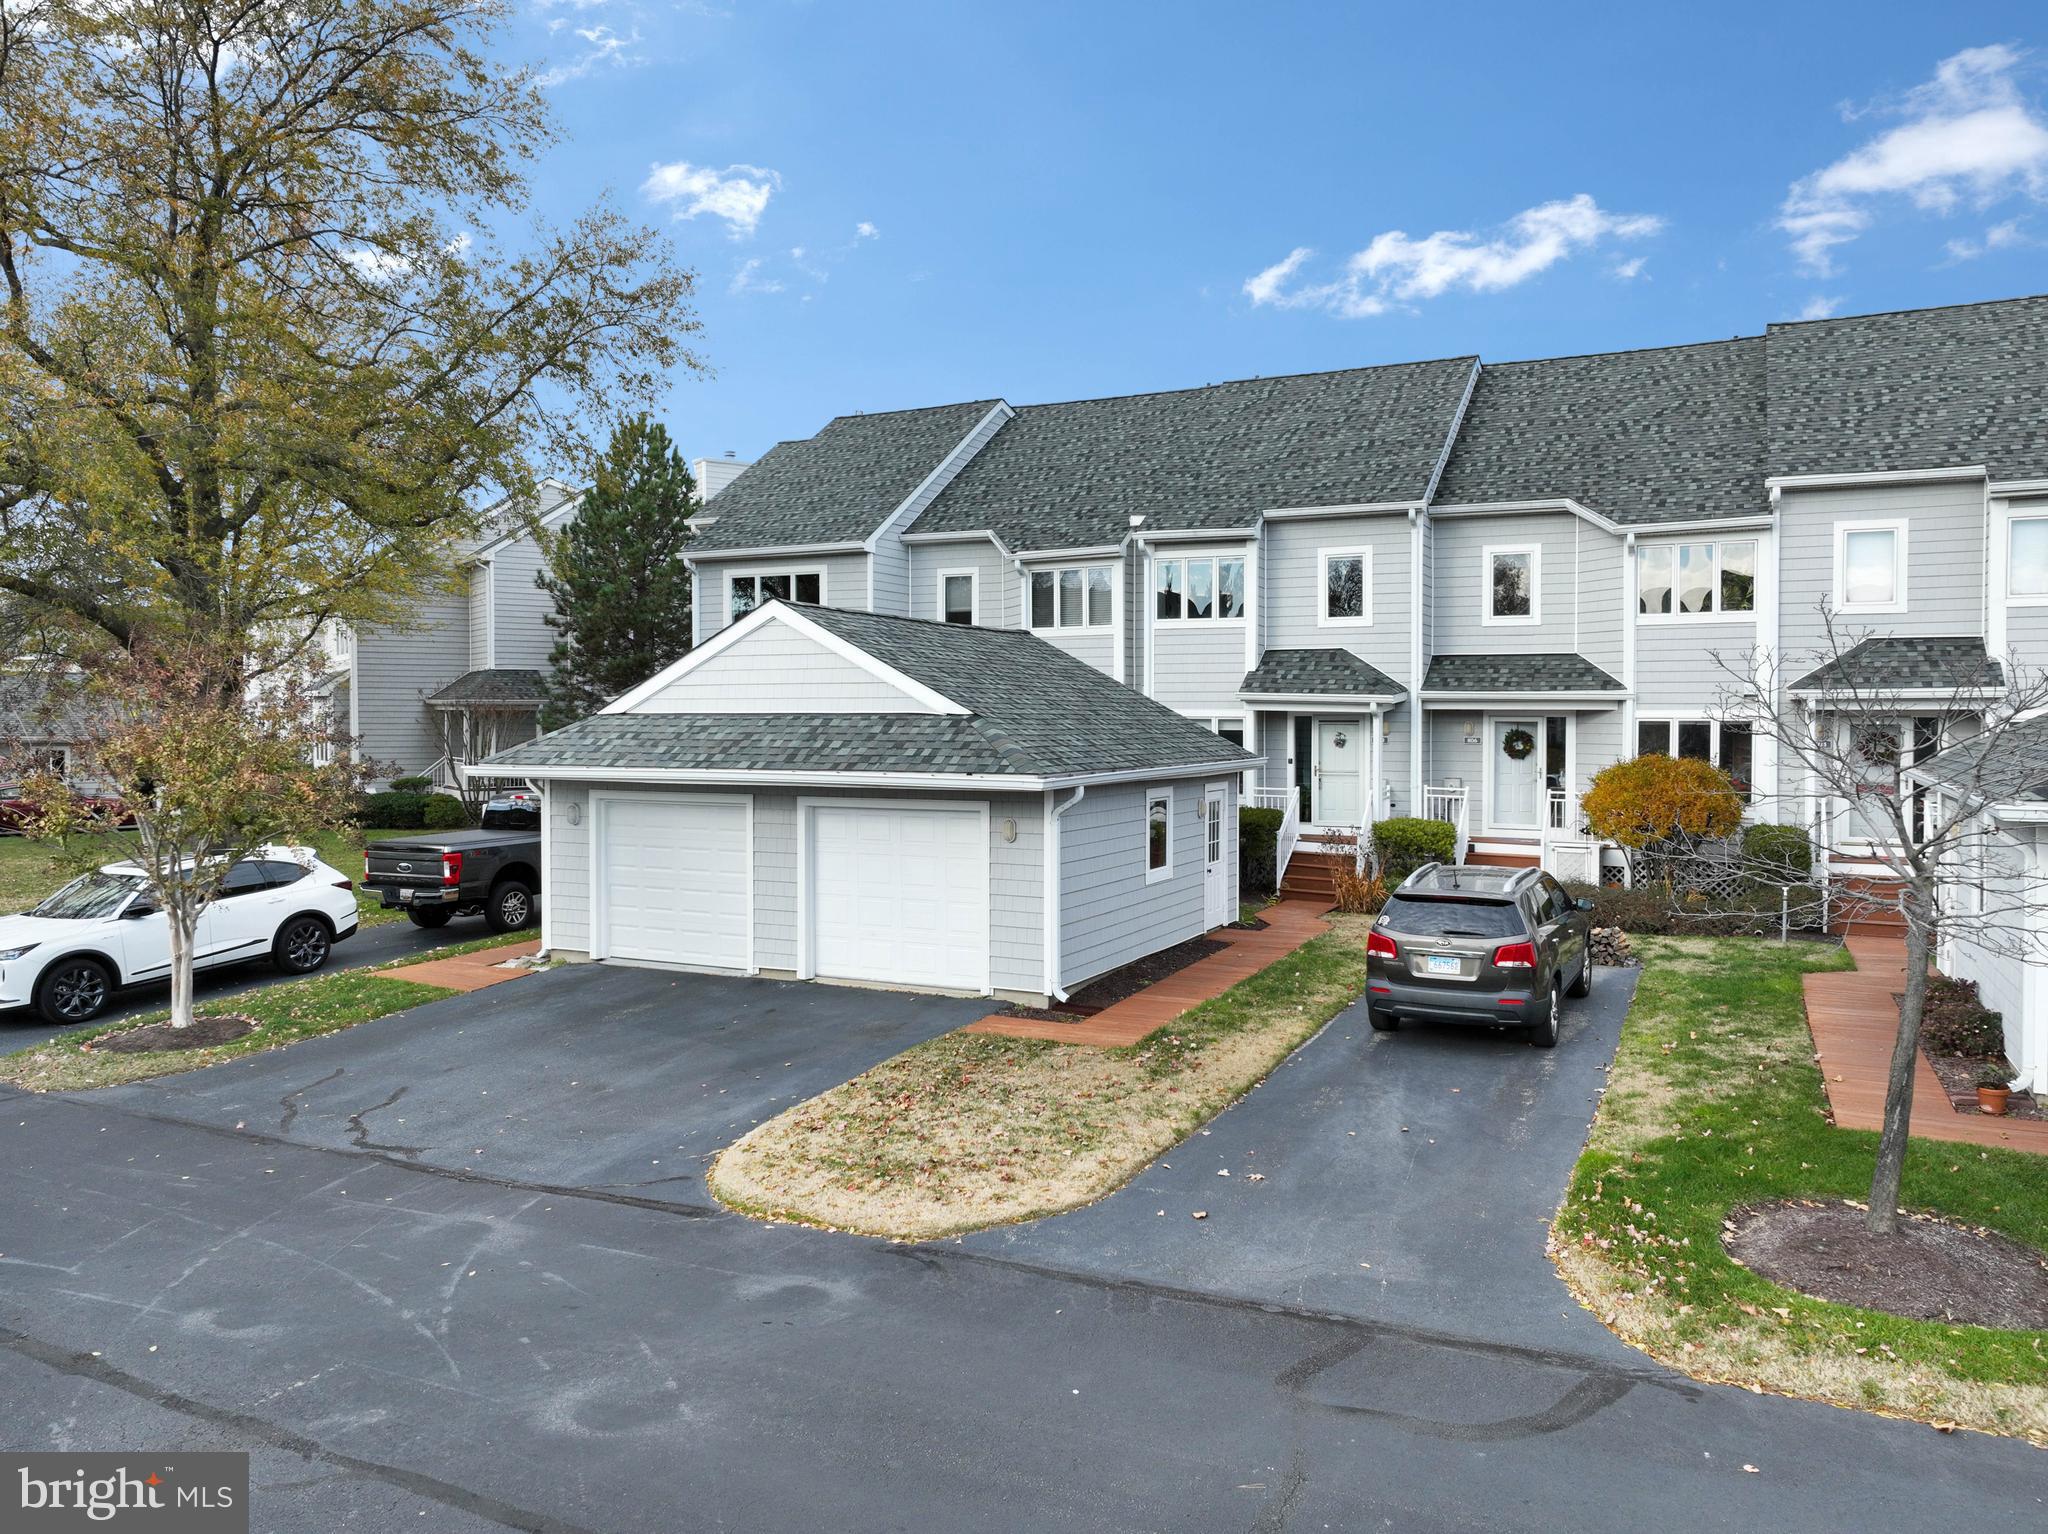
{"points": [[616, 577]]}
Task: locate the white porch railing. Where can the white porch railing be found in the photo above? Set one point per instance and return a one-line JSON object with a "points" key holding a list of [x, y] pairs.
{"points": [[1453, 805], [1288, 802], [1567, 853]]}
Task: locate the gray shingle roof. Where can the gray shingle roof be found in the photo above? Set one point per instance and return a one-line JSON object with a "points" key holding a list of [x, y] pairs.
{"points": [[503, 685], [1921, 389], [2009, 767], [1034, 711], [1897, 662], [1072, 475], [1674, 433], [1325, 672], [39, 708], [838, 486], [1553, 671]]}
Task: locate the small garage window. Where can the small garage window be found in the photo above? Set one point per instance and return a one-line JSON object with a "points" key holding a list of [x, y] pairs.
{"points": [[1158, 834]]}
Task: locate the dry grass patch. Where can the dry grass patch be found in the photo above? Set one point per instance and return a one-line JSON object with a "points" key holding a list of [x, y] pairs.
{"points": [[1715, 1102], [974, 1130]]}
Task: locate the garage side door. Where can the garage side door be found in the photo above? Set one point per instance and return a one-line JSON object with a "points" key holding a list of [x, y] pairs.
{"points": [[900, 895], [672, 880]]}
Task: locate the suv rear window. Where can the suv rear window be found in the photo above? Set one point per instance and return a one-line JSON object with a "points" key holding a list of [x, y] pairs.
{"points": [[1454, 918]]}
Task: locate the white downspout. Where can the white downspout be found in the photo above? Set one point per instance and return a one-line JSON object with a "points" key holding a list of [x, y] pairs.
{"points": [[1053, 813]]}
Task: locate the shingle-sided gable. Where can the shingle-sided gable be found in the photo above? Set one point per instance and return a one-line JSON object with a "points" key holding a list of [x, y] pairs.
{"points": [[1922, 389], [1888, 663], [840, 485], [1557, 671], [1673, 433], [1072, 475], [1323, 673]]}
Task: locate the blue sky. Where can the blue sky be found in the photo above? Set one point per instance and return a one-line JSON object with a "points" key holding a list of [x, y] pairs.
{"points": [[895, 204]]}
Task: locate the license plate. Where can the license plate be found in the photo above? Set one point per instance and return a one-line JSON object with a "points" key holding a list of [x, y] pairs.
{"points": [[1438, 964], [404, 896]]}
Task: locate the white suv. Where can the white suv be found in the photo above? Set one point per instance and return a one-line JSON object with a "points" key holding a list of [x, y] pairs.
{"points": [[100, 932]]}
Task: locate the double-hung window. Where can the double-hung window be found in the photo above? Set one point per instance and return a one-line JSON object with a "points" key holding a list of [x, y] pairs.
{"points": [[1513, 574], [748, 589], [1198, 590], [2026, 567], [1073, 597], [959, 596], [1870, 567], [1346, 587], [1694, 580]]}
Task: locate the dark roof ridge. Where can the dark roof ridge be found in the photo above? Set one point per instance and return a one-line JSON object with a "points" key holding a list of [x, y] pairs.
{"points": [[1887, 314], [1621, 351], [869, 415], [1227, 383]]}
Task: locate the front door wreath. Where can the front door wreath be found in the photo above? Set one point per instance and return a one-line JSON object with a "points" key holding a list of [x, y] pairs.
{"points": [[1517, 744]]}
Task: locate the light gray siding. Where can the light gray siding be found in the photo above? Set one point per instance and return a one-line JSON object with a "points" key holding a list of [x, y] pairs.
{"points": [[479, 617], [1427, 595], [1600, 743], [393, 670], [519, 607], [567, 876], [782, 672], [1944, 560], [1676, 665], [1599, 599], [893, 559], [1461, 590], [845, 584], [1197, 668], [1109, 915], [1291, 565], [996, 588]]}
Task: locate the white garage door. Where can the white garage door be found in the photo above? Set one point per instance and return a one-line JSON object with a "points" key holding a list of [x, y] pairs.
{"points": [[900, 895], [672, 880]]}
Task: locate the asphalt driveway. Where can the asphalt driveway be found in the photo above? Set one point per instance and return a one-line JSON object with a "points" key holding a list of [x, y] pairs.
{"points": [[592, 1075]]}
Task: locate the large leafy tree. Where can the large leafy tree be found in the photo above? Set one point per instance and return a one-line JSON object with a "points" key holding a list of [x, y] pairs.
{"points": [[616, 576], [273, 320]]}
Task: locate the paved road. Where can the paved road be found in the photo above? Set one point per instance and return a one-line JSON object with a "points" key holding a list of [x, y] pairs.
{"points": [[21, 1027], [406, 1333]]}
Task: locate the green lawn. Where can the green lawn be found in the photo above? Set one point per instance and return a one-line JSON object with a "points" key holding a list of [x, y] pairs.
{"points": [[29, 870], [1715, 1102]]}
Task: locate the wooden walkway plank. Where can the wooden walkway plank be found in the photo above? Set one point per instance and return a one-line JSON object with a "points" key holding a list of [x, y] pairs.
{"points": [[1854, 1019], [467, 971], [1288, 925]]}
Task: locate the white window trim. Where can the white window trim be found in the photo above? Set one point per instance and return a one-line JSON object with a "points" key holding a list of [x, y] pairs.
{"points": [[1056, 627], [973, 577], [1155, 796], [2013, 598], [1715, 614], [756, 572], [1896, 526], [1487, 617], [57, 758], [1215, 590], [1323, 558]]}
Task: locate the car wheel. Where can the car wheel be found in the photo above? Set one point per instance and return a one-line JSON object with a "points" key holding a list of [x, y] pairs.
{"points": [[430, 918], [1544, 1034], [1582, 983], [1382, 1022], [302, 945], [511, 907], [73, 991]]}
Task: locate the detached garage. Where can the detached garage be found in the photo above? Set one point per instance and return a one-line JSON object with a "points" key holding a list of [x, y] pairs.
{"points": [[833, 795]]}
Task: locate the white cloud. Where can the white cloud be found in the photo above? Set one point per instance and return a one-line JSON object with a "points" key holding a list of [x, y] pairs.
{"points": [[1631, 269], [1397, 268], [1968, 136], [601, 46], [738, 194], [1998, 237], [748, 279], [866, 231], [1821, 306]]}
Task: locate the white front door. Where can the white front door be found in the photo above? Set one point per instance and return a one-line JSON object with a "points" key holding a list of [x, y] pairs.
{"points": [[1517, 784], [673, 883], [1215, 846], [1340, 751], [899, 894]]}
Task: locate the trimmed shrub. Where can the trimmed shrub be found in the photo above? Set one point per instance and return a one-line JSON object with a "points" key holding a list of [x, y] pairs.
{"points": [[394, 810], [415, 783], [1654, 803], [444, 812], [1258, 851], [1781, 854], [1955, 1022], [1404, 844]]}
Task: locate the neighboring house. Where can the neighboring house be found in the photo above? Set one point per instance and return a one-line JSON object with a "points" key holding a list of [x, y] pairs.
{"points": [[816, 792], [42, 725], [463, 675]]}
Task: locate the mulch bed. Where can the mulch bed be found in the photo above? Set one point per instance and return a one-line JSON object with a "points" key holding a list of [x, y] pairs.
{"points": [[1930, 1270], [1121, 984], [202, 1033], [1256, 924], [1959, 1079]]}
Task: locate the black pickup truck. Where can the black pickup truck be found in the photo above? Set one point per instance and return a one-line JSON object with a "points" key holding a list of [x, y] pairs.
{"points": [[439, 874]]}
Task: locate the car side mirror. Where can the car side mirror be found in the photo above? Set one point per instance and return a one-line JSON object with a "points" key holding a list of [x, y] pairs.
{"points": [[1582, 904]]}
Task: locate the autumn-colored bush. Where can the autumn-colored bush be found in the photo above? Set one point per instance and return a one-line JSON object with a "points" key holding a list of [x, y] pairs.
{"points": [[1356, 891], [1658, 803]]}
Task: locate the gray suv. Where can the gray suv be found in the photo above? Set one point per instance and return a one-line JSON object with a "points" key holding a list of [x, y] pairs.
{"points": [[1502, 946]]}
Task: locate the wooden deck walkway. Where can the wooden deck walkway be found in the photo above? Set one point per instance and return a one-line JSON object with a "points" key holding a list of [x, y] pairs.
{"points": [[1854, 1020], [467, 971], [1288, 925]]}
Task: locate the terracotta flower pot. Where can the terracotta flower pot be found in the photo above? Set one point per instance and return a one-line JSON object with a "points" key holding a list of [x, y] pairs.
{"points": [[1991, 1100]]}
